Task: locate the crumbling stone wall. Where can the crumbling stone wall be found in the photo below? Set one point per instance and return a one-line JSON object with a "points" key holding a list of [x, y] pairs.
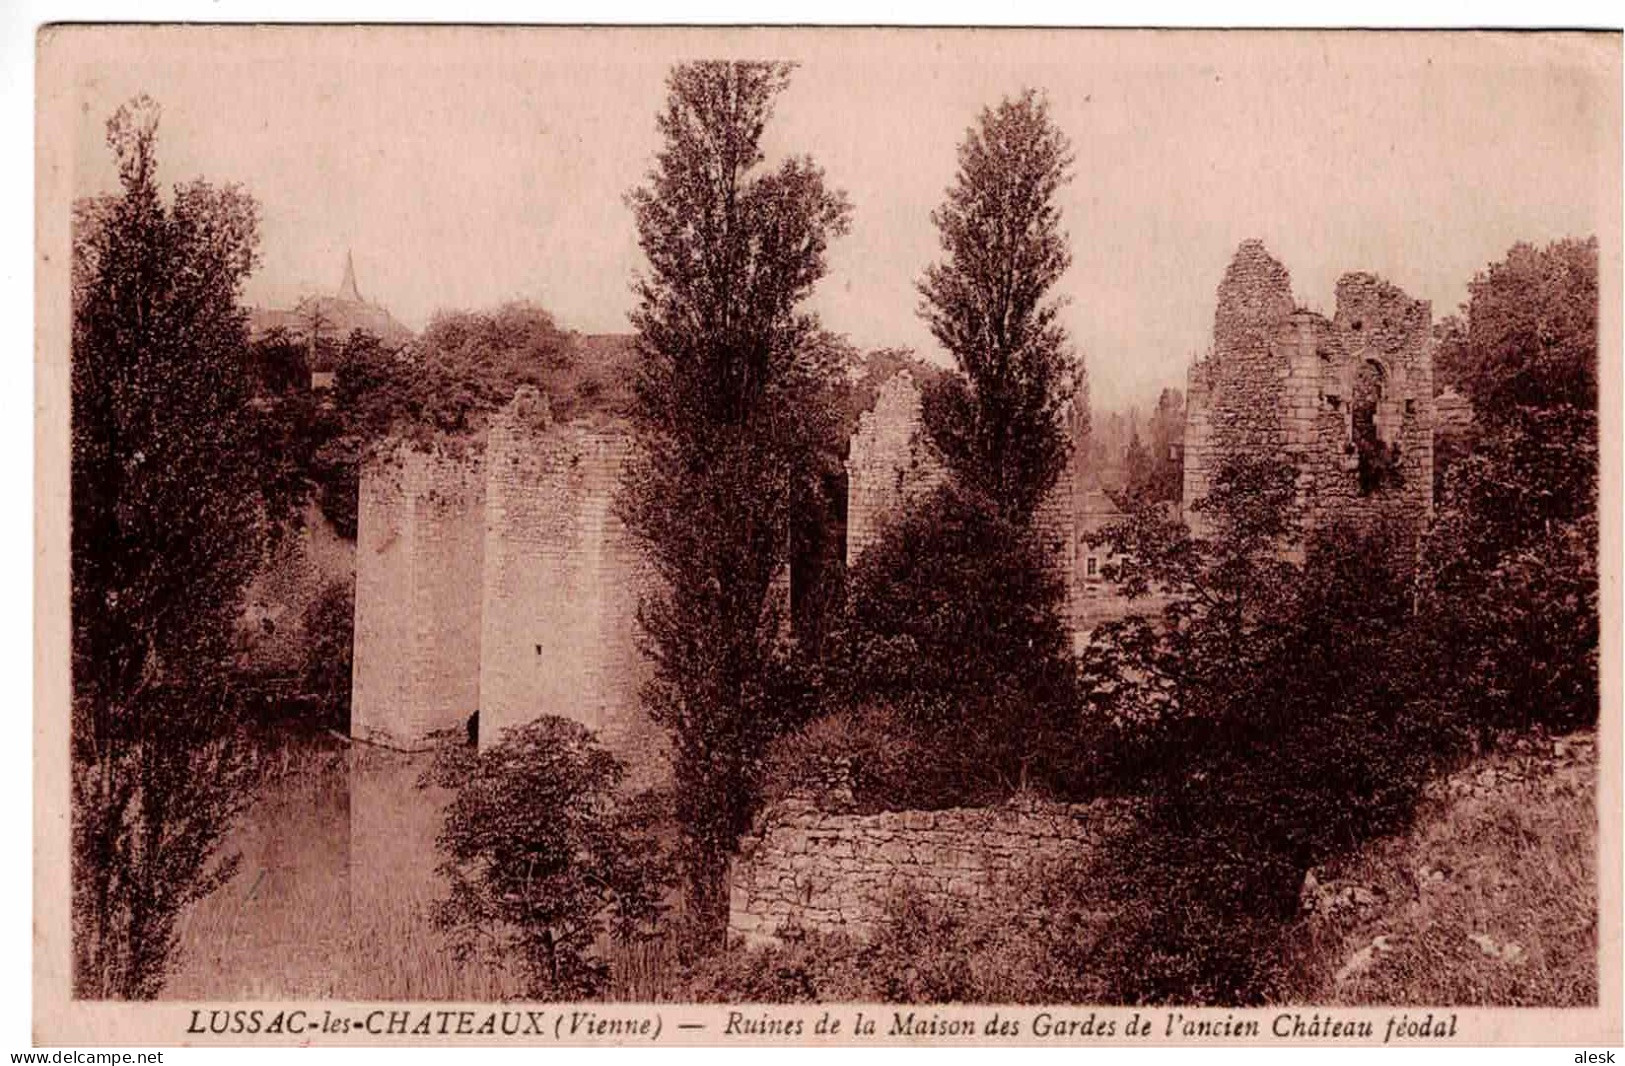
{"points": [[890, 464], [561, 584], [420, 538], [1348, 401], [803, 867]]}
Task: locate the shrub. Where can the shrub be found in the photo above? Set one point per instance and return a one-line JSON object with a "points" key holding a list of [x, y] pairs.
{"points": [[1275, 718], [545, 858], [954, 625], [868, 758], [807, 967]]}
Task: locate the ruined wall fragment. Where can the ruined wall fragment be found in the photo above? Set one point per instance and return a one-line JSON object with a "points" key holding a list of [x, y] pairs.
{"points": [[560, 586], [891, 463], [1348, 401], [419, 543], [811, 869]]}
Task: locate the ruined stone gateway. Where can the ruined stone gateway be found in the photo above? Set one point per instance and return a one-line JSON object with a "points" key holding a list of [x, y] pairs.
{"points": [[1347, 401]]}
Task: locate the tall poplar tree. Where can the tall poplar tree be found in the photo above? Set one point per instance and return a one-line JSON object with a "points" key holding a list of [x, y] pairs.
{"points": [[1001, 422], [728, 413], [169, 522]]}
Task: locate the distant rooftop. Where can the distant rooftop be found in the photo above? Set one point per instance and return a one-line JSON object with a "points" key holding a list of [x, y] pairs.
{"points": [[333, 317]]}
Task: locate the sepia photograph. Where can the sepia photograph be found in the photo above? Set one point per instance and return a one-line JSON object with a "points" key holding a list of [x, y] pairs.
{"points": [[721, 535]]}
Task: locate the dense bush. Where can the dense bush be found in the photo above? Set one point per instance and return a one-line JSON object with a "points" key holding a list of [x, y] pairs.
{"points": [[545, 857], [1276, 717], [885, 761], [1509, 582], [466, 365], [954, 626], [1510, 573]]}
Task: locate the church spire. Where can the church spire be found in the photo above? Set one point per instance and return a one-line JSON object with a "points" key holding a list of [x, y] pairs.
{"points": [[347, 289]]}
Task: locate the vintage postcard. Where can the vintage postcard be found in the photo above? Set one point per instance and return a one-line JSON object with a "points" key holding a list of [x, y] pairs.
{"points": [[848, 536]]}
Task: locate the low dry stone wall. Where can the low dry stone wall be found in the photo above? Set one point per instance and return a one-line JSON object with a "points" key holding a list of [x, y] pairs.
{"points": [[806, 868]]}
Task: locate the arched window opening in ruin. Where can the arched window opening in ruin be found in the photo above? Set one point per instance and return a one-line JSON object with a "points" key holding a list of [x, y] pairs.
{"points": [[1378, 460]]}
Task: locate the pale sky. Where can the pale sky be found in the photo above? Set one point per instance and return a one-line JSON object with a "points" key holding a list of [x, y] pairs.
{"points": [[469, 167]]}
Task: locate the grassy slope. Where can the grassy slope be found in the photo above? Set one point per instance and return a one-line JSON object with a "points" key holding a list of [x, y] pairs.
{"points": [[1490, 899]]}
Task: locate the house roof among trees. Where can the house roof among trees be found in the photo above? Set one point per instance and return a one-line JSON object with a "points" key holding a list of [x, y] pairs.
{"points": [[333, 317]]}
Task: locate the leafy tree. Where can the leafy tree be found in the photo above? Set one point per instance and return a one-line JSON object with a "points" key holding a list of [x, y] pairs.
{"points": [[466, 365], [1000, 422], [1228, 597], [475, 361], [952, 627], [1138, 463], [1510, 576], [171, 512], [544, 855], [1530, 341], [729, 411], [1160, 476], [818, 502], [1271, 719]]}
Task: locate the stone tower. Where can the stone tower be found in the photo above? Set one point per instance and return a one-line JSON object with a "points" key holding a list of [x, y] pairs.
{"points": [[560, 585], [1348, 400], [494, 575]]}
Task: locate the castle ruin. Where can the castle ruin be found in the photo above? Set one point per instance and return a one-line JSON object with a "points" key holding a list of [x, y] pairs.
{"points": [[493, 574], [495, 577], [1347, 401]]}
